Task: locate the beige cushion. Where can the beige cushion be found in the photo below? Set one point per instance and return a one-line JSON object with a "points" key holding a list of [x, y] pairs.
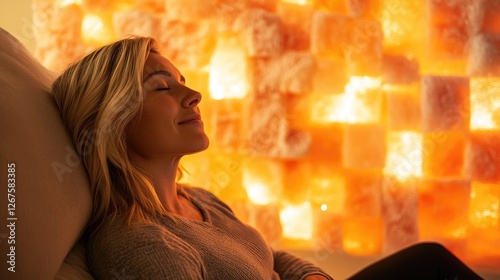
{"points": [[52, 198]]}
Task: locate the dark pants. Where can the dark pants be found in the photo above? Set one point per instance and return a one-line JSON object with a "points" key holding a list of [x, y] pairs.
{"points": [[420, 261]]}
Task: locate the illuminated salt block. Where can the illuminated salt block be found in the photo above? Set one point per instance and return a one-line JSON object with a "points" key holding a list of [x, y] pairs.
{"points": [[364, 50], [296, 18], [296, 72], [398, 69], [297, 109], [268, 5], [334, 6], [226, 176], [297, 224], [366, 8], [136, 22], [446, 25], [327, 228], [403, 107], [484, 103], [443, 154], [484, 55], [399, 21], [296, 175], [483, 156], [363, 193], [154, 6], [228, 65], [326, 143], [443, 209], [329, 34], [364, 146], [484, 16], [98, 6], [400, 200], [266, 220], [263, 180], [267, 131], [261, 32], [263, 75], [404, 155], [297, 143], [327, 189], [362, 235], [189, 10], [484, 225], [189, 44], [445, 103], [226, 124], [329, 76]]}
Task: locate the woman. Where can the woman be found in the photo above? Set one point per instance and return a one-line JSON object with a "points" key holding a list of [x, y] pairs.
{"points": [[132, 118]]}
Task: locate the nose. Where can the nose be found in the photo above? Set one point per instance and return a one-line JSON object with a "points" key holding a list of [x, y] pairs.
{"points": [[192, 98]]}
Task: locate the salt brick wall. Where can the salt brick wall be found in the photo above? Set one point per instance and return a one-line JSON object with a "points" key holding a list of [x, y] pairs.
{"points": [[439, 61]]}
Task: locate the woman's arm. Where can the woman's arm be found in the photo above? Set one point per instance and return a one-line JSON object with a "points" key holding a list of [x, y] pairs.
{"points": [[289, 266]]}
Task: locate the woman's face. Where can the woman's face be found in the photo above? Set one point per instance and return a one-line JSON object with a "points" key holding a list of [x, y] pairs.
{"points": [[170, 123]]}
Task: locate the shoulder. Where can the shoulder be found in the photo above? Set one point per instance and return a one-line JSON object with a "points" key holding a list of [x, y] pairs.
{"points": [[139, 249]]}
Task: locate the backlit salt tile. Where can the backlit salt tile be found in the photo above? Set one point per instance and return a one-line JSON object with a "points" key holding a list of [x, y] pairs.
{"points": [[327, 228], [261, 32], [97, 29], [484, 55], [449, 227], [189, 45], [404, 155], [268, 5], [153, 6], [226, 176], [364, 8], [443, 154], [297, 224], [267, 132], [400, 20], [327, 187], [484, 16], [334, 6], [296, 72], [484, 103], [329, 76], [297, 108], [296, 18], [263, 75], [99, 6], [326, 143], [189, 10], [226, 125], [228, 73], [398, 69], [400, 200], [484, 225], [362, 236], [364, 146], [445, 103], [329, 34], [297, 143], [403, 107], [136, 22], [446, 25], [483, 156], [364, 50], [263, 180], [296, 174], [363, 193]]}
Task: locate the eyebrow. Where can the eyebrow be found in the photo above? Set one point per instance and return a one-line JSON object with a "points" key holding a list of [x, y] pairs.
{"points": [[163, 73]]}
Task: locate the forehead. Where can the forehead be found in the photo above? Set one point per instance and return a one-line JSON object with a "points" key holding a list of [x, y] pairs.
{"points": [[156, 62]]}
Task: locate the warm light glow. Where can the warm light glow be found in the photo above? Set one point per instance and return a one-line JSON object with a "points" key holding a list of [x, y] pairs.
{"points": [[96, 30], [323, 207], [360, 103], [484, 103], [228, 77], [484, 208], [362, 236], [329, 193], [296, 221], [298, 2], [63, 3], [404, 154], [262, 180]]}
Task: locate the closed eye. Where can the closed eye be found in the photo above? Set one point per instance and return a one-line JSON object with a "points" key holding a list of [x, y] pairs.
{"points": [[160, 89]]}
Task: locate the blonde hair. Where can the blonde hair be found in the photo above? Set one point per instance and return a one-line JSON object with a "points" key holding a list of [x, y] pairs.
{"points": [[99, 96]]}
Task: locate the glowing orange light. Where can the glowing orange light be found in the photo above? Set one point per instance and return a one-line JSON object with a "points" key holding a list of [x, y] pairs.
{"points": [[484, 103], [404, 154], [296, 221], [96, 30]]}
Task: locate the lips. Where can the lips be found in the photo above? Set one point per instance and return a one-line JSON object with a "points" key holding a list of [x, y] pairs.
{"points": [[190, 119]]}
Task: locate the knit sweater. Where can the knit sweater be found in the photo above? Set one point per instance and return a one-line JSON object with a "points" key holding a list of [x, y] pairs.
{"points": [[219, 247]]}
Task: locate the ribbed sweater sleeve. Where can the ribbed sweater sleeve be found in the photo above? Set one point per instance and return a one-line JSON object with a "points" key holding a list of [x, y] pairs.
{"points": [[290, 267]]}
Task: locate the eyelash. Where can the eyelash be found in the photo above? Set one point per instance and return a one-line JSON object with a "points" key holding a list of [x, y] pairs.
{"points": [[160, 89]]}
